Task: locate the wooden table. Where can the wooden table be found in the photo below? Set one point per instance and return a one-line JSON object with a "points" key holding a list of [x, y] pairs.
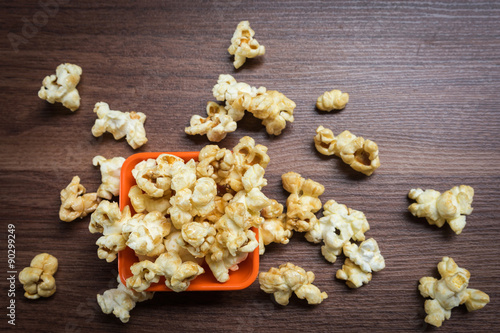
{"points": [[423, 80]]}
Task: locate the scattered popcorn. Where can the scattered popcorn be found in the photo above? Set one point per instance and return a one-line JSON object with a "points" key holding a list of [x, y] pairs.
{"points": [[332, 100], [75, 202], [61, 87], [302, 202], [121, 300], [110, 174], [215, 126], [38, 280], [143, 203], [243, 45], [288, 278], [120, 124], [145, 233], [353, 274], [273, 229], [451, 206], [448, 292], [360, 154], [367, 256]]}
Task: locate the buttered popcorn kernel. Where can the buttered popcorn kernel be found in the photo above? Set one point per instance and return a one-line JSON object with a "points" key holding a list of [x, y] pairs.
{"points": [[75, 202], [451, 206], [216, 125], [273, 229], [110, 174], [358, 153], [448, 292], [287, 279], [367, 256], [120, 124], [353, 274], [61, 87], [243, 45], [332, 100], [143, 203], [38, 280], [145, 233]]}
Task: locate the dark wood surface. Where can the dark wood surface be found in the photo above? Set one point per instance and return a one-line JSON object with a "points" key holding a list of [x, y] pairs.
{"points": [[423, 79]]}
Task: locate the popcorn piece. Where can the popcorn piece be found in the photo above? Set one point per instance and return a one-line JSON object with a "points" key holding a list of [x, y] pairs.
{"points": [[288, 278], [198, 238], [353, 274], [216, 163], [367, 256], [38, 280], [173, 244], [448, 292], [221, 268], [215, 126], [273, 229], [110, 174], [120, 124], [75, 202], [450, 206], [121, 300], [154, 176], [336, 228], [144, 203], [360, 154], [181, 207], [178, 274], [247, 153], [108, 220], [144, 273], [332, 100], [203, 196], [302, 202], [145, 233], [243, 45], [61, 87]]}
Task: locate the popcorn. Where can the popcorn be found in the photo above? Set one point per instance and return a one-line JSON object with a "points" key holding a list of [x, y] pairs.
{"points": [[173, 244], [183, 175], [367, 256], [216, 163], [178, 274], [273, 229], [448, 292], [145, 233], [215, 126], [247, 153], [38, 280], [332, 100], [360, 154], [302, 202], [288, 278], [144, 273], [353, 274], [121, 300], [336, 228], [61, 87], [203, 196], [75, 202], [154, 176], [220, 268], [110, 174], [450, 206], [198, 237], [108, 220], [243, 45], [141, 202], [120, 124]]}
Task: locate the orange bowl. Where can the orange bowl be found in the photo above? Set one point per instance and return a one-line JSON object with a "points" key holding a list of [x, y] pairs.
{"points": [[239, 279]]}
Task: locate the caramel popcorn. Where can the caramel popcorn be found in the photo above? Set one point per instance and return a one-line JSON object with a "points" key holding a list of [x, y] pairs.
{"points": [[220, 268], [216, 163], [302, 202], [141, 202], [288, 278], [360, 154], [178, 275], [145, 233], [367, 256], [243, 45], [154, 177], [108, 220], [38, 280], [273, 229], [121, 300], [332, 100], [75, 202], [120, 124], [110, 174], [448, 292], [143, 274], [61, 87], [451, 206], [336, 228], [198, 237], [215, 126], [353, 274]]}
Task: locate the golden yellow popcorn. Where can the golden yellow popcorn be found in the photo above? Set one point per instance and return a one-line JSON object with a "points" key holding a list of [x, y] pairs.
{"points": [[38, 280], [141, 202], [110, 175], [198, 237], [173, 244], [448, 292], [154, 176], [203, 198], [215, 126], [121, 300], [108, 220], [61, 87], [332, 100], [288, 278], [178, 275], [360, 154], [302, 202], [216, 163], [450, 206], [145, 233], [220, 268], [247, 153], [367, 256], [273, 229], [353, 274], [336, 228], [144, 273], [120, 124], [75, 202], [243, 45]]}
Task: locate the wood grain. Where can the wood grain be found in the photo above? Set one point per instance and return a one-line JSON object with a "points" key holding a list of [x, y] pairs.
{"points": [[423, 79]]}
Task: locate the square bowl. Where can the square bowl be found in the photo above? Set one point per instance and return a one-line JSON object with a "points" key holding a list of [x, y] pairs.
{"points": [[239, 279]]}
